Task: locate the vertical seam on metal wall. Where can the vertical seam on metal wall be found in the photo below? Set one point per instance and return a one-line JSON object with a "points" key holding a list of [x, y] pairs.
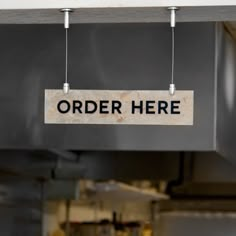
{"points": [[215, 83]]}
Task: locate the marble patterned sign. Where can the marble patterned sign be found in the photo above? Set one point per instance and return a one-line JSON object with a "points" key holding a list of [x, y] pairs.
{"points": [[119, 107]]}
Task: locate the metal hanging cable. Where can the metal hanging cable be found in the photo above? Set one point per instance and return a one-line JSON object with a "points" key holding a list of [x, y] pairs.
{"points": [[173, 55], [172, 10], [66, 66], [66, 11]]}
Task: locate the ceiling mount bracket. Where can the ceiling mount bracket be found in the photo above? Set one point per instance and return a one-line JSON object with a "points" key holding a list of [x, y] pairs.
{"points": [[66, 12], [173, 15]]}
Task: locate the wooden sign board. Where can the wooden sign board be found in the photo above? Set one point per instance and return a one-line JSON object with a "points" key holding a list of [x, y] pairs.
{"points": [[119, 107]]}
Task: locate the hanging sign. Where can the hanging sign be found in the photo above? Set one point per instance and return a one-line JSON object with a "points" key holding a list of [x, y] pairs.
{"points": [[119, 107]]}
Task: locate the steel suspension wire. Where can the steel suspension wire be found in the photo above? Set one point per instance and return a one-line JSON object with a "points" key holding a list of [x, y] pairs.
{"points": [[173, 55], [66, 59], [172, 10], [66, 11]]}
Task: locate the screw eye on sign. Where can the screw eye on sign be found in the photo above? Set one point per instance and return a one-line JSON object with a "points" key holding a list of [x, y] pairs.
{"points": [[119, 107]]}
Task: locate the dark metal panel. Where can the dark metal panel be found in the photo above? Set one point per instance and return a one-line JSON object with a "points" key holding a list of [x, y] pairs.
{"points": [[130, 165], [209, 167], [105, 56], [30, 164], [45, 165]]}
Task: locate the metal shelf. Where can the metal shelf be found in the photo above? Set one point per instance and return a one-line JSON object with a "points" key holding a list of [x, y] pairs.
{"points": [[116, 191]]}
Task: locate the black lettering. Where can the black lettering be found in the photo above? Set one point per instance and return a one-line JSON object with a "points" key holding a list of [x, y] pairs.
{"points": [[162, 106], [150, 107], [174, 107], [116, 105], [139, 107], [60, 104], [104, 106], [90, 103], [77, 106]]}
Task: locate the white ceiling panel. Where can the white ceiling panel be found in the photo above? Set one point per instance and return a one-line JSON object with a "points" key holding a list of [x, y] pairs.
{"points": [[109, 11]]}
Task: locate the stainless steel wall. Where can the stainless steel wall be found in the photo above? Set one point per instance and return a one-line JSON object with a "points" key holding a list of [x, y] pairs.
{"points": [[104, 56], [226, 95]]}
